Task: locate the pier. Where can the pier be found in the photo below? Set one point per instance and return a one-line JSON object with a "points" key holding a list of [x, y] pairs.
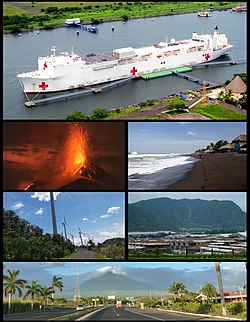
{"points": [[193, 79], [85, 91]]}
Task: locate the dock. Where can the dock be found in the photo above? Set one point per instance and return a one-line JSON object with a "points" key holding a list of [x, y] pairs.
{"points": [[166, 73], [87, 28], [78, 92], [220, 62], [193, 79]]}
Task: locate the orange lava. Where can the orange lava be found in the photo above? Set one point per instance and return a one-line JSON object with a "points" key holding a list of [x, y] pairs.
{"points": [[74, 154]]}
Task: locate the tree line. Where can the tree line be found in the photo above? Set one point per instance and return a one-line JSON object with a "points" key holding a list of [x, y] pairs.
{"points": [[24, 241], [14, 285]]}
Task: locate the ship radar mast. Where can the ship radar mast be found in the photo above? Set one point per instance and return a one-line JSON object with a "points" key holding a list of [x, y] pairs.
{"points": [[53, 49]]}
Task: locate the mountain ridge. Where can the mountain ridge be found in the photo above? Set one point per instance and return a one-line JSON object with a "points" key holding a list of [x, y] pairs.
{"points": [[174, 214]]}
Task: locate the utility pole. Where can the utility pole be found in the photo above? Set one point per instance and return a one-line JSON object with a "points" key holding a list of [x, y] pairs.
{"points": [[219, 278], [53, 214], [77, 295]]}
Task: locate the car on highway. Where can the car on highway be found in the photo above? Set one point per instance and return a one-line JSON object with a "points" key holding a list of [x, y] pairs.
{"points": [[80, 307]]}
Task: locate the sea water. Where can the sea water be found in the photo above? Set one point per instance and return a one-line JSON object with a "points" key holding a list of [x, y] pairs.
{"points": [[157, 171]]}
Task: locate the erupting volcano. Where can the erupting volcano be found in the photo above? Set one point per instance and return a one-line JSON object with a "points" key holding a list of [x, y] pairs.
{"points": [[75, 151]]}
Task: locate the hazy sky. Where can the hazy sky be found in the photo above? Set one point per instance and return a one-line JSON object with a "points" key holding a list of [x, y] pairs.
{"points": [[238, 197], [179, 137], [99, 214]]}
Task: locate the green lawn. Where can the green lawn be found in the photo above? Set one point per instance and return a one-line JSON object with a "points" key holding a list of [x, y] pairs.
{"points": [[219, 112]]}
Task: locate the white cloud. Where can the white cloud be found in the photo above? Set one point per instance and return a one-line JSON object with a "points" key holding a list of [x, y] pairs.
{"points": [[190, 133], [17, 205], [44, 196], [85, 219], [39, 212], [113, 269], [105, 216], [94, 221], [113, 210], [116, 224]]}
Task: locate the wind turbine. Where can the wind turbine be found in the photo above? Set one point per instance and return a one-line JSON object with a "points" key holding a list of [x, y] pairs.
{"points": [[80, 234], [72, 238]]}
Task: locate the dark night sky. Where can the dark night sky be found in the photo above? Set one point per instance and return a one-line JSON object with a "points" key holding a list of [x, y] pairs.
{"points": [[32, 150]]}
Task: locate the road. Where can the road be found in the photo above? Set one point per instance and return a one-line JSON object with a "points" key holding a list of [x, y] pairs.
{"points": [[83, 253], [137, 314], [39, 315]]}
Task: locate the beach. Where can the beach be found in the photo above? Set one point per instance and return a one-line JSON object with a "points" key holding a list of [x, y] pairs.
{"points": [[215, 172]]}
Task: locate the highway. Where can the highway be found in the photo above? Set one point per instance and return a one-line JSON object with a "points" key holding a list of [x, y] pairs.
{"points": [[137, 314], [40, 315], [110, 313]]}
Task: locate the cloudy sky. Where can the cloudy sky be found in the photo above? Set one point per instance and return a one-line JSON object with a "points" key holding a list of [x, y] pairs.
{"points": [[99, 214], [179, 137], [238, 197], [192, 274]]}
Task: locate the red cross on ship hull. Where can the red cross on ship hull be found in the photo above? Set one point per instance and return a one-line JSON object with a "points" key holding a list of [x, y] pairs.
{"points": [[43, 86]]}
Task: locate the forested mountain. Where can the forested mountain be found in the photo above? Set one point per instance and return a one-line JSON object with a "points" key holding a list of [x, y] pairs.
{"points": [[170, 214]]}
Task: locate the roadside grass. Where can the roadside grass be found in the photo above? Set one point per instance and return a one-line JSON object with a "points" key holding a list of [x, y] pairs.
{"points": [[219, 112]]}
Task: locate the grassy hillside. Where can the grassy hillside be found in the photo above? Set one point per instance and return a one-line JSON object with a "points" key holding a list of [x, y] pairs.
{"points": [[52, 14]]}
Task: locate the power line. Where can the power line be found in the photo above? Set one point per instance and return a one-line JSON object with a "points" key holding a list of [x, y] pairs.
{"points": [[5, 193]]}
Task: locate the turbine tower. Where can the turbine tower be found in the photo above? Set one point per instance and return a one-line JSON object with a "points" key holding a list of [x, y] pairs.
{"points": [[53, 213]]}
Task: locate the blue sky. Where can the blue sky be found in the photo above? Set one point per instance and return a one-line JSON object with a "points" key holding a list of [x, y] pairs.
{"points": [[98, 214], [179, 137], [238, 197], [192, 274]]}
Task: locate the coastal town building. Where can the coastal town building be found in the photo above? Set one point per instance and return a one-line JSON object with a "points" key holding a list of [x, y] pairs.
{"points": [[196, 244], [237, 86]]}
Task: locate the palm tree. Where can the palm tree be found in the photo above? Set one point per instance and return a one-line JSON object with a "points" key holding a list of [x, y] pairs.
{"points": [[45, 293], [209, 290], [219, 278], [177, 288], [12, 284], [56, 283], [33, 290]]}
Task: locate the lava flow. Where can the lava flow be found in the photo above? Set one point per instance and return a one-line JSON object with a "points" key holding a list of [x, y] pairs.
{"points": [[75, 150]]}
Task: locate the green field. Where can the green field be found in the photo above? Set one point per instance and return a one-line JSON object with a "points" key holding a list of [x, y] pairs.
{"points": [[31, 15], [219, 112]]}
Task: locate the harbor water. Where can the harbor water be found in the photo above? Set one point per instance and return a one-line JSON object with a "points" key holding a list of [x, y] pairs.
{"points": [[20, 55]]}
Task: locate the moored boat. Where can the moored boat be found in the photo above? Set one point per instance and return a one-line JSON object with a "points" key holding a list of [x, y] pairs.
{"points": [[69, 71]]}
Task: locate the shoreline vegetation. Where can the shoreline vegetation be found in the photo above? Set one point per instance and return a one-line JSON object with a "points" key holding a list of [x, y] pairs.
{"points": [[29, 16]]}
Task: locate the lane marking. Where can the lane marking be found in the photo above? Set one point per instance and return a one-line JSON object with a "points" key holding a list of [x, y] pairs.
{"points": [[152, 317]]}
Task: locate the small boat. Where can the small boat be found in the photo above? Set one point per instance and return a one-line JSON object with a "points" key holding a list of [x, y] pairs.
{"points": [[240, 8], [204, 14]]}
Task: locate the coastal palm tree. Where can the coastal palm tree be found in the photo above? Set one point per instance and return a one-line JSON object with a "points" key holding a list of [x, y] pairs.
{"points": [[33, 290], [45, 293], [219, 278], [210, 291], [12, 284], [177, 288], [56, 283]]}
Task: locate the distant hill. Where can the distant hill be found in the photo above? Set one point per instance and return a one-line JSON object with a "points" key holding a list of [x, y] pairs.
{"points": [[120, 284], [113, 241], [170, 214]]}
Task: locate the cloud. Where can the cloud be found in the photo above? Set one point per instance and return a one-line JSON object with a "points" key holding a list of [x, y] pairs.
{"points": [[17, 205], [113, 269], [39, 212], [94, 221], [104, 216], [113, 210], [190, 133], [85, 219], [44, 196]]}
